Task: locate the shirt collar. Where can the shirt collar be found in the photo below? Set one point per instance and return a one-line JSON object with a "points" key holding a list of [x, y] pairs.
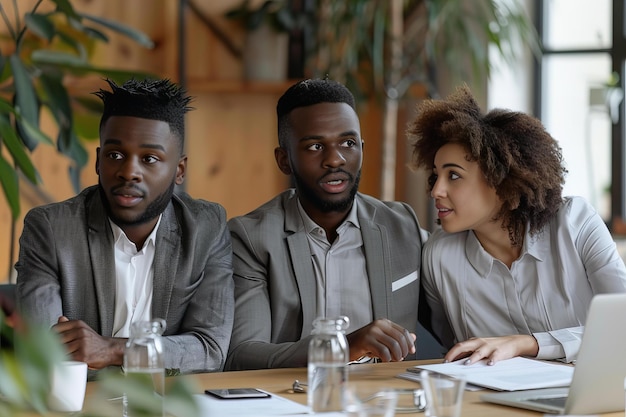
{"points": [[119, 236], [310, 226], [482, 261]]}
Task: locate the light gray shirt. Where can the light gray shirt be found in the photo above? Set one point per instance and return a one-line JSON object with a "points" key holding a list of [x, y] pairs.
{"points": [[546, 292], [340, 271]]}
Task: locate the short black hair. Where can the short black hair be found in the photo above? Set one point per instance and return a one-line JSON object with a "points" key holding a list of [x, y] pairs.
{"points": [[156, 99], [307, 93]]}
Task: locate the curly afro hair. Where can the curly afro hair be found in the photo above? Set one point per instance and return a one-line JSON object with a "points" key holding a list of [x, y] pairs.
{"points": [[516, 154]]}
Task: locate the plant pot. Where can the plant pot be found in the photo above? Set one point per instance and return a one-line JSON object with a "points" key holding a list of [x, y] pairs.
{"points": [[265, 55]]}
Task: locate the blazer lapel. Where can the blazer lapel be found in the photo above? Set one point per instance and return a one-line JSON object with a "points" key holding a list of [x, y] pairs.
{"points": [[166, 257], [300, 254], [103, 261], [375, 240]]}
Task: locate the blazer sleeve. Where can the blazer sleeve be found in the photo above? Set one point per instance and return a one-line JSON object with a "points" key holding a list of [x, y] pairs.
{"points": [[38, 285]]}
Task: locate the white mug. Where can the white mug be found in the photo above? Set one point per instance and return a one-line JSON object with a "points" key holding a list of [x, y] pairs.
{"points": [[67, 386]]}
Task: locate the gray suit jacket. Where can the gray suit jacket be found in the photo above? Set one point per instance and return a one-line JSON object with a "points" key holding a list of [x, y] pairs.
{"points": [[66, 267], [275, 288]]}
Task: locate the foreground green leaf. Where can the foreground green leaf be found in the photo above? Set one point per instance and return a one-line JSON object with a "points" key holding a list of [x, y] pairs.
{"points": [[39, 25], [13, 144], [25, 98], [10, 186]]}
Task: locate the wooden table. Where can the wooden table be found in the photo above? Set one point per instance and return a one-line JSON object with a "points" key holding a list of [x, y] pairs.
{"points": [[279, 381]]}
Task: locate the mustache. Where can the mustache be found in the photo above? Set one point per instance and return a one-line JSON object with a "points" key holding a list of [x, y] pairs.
{"points": [[128, 188]]}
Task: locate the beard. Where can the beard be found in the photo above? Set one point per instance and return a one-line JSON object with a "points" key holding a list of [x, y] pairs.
{"points": [[327, 206], [153, 210]]}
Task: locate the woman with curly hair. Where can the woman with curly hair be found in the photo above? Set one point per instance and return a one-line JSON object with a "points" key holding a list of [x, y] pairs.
{"points": [[514, 266]]}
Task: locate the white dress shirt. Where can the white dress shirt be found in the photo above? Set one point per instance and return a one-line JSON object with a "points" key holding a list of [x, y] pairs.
{"points": [[133, 280], [546, 292]]}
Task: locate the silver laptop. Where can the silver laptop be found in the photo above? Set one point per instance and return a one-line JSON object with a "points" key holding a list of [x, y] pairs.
{"points": [[598, 382]]}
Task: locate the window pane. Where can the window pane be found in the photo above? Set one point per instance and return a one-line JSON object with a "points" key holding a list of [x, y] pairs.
{"points": [[575, 113], [576, 24]]}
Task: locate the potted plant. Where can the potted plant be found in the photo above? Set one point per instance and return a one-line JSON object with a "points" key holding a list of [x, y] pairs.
{"points": [[267, 26]]}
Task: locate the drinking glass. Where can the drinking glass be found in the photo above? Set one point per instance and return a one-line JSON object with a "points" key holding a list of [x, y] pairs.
{"points": [[444, 394]]}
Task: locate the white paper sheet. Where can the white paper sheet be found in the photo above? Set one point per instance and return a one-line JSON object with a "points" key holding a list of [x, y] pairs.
{"points": [[509, 375], [263, 407]]}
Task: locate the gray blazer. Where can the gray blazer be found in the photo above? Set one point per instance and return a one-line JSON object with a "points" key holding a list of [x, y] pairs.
{"points": [[66, 267], [275, 288]]}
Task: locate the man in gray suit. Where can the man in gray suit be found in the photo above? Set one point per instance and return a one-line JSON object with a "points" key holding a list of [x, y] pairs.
{"points": [[129, 248], [323, 249]]}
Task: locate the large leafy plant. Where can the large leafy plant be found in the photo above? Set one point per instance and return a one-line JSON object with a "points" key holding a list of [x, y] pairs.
{"points": [[47, 51]]}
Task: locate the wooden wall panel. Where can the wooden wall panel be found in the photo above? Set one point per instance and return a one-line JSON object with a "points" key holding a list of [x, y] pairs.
{"points": [[231, 156], [230, 136], [208, 59]]}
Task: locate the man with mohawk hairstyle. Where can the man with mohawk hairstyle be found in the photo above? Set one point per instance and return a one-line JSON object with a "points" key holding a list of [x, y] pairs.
{"points": [[130, 248]]}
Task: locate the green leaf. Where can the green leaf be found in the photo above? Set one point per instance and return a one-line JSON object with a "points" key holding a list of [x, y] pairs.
{"points": [[138, 36], [179, 400], [15, 147], [25, 99], [68, 62], [40, 25], [10, 186], [46, 56], [57, 99], [37, 349], [32, 131], [6, 73], [6, 107], [65, 7], [74, 44], [96, 34], [69, 144]]}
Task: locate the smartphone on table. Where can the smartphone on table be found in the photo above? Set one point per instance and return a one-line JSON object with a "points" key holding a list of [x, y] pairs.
{"points": [[236, 393]]}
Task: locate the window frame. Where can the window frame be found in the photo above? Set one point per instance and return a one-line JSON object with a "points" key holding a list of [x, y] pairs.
{"points": [[617, 53]]}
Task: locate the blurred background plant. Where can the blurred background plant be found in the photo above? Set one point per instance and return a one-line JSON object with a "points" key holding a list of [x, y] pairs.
{"points": [[276, 13], [46, 51], [381, 49], [27, 356]]}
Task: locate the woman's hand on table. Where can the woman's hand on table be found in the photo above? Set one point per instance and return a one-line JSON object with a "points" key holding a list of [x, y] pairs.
{"points": [[493, 349]]}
